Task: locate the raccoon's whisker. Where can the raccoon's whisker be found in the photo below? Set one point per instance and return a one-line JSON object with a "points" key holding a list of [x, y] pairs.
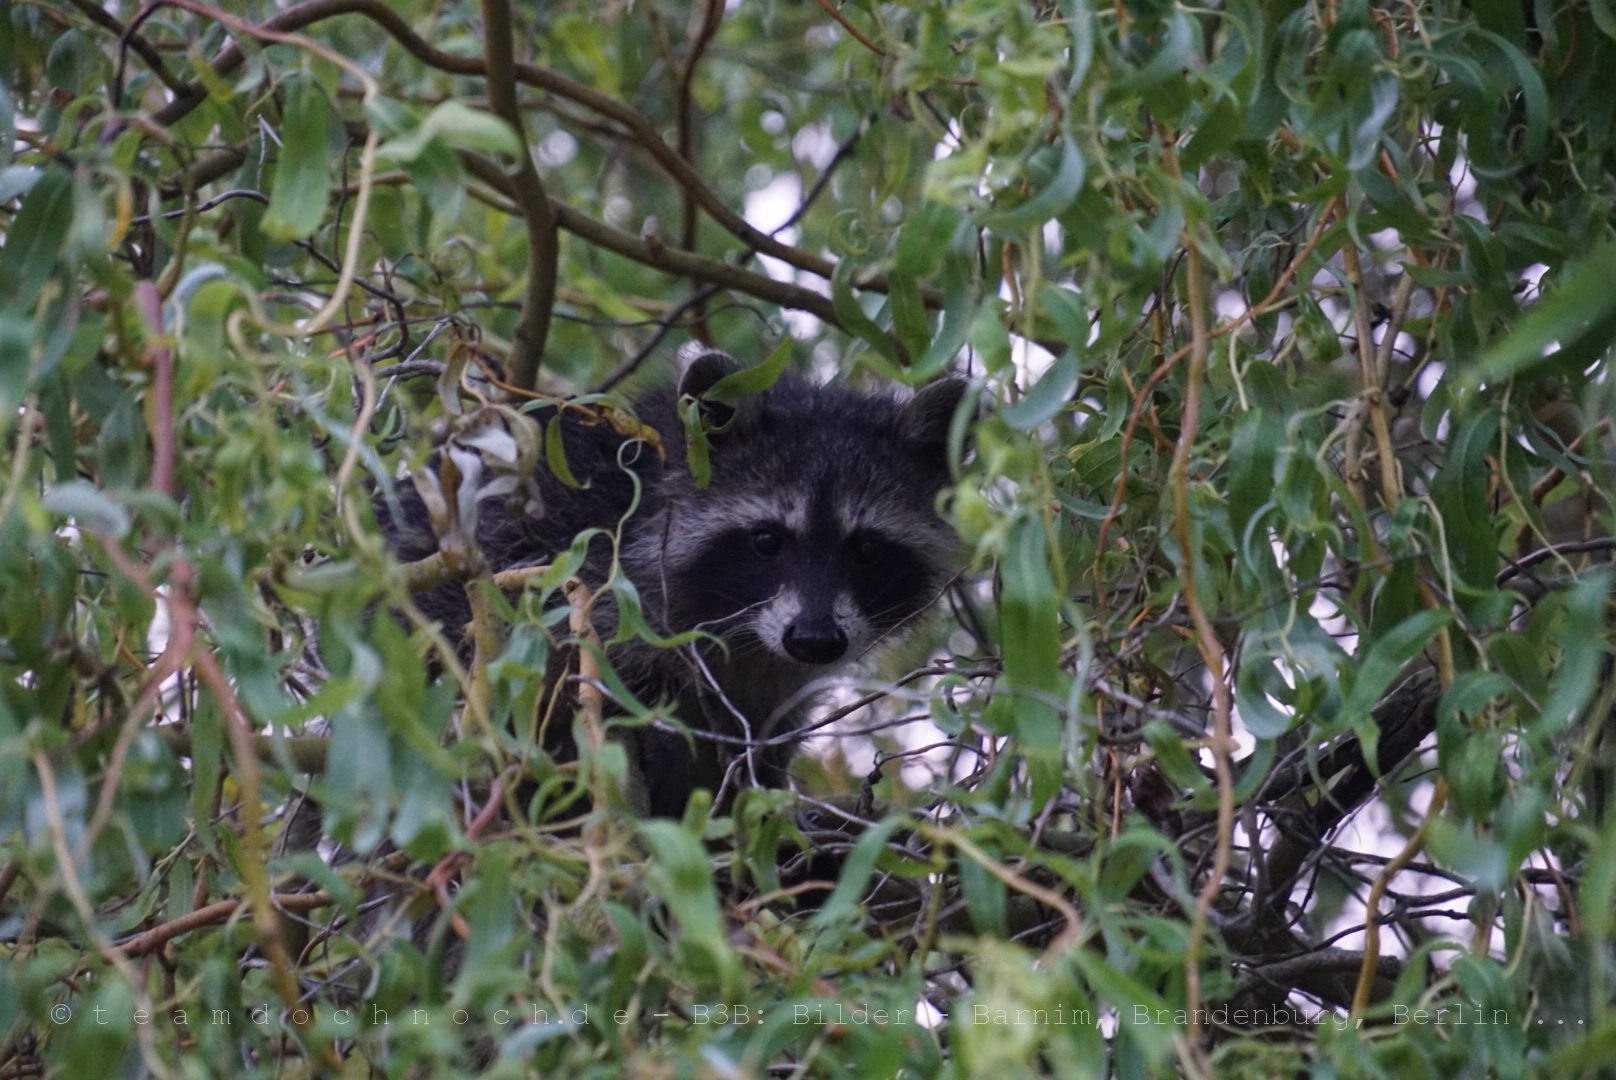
{"points": [[741, 613], [911, 617]]}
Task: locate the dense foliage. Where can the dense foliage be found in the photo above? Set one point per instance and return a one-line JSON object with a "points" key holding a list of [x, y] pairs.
{"points": [[1267, 731]]}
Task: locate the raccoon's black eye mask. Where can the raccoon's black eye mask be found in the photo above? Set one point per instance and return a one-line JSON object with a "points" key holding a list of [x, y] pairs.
{"points": [[866, 547], [767, 540]]}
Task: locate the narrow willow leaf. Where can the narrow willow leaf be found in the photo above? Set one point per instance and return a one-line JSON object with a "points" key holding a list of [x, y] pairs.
{"points": [[1581, 309], [298, 197], [1259, 715], [1535, 96], [856, 871], [1582, 650], [752, 380], [1386, 657], [1599, 886], [1030, 627], [852, 316], [35, 239], [985, 897], [1460, 493], [1048, 397], [1175, 757], [459, 127], [1066, 308], [92, 509], [555, 453], [959, 312], [1604, 13], [909, 319], [1048, 202], [697, 450]]}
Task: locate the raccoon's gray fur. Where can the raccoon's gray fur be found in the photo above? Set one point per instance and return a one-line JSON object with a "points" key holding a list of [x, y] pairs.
{"points": [[817, 537]]}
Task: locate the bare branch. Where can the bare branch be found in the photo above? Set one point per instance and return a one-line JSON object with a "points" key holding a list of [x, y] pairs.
{"points": [[543, 249]]}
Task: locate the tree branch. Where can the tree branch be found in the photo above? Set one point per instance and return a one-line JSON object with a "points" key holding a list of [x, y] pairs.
{"points": [[700, 38], [128, 38], [671, 260], [543, 248], [641, 127]]}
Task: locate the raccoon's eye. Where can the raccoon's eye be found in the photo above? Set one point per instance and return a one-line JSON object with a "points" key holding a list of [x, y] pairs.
{"points": [[766, 540], [866, 549]]}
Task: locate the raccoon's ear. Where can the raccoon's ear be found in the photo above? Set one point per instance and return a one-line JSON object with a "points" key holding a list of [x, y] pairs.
{"points": [[928, 415], [703, 373]]}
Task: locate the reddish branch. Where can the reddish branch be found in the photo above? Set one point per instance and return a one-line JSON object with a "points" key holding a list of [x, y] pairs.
{"points": [[213, 915], [440, 875], [161, 403], [1206, 640], [184, 618], [1142, 399]]}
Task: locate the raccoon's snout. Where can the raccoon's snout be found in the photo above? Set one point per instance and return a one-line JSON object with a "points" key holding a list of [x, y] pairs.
{"points": [[815, 641]]}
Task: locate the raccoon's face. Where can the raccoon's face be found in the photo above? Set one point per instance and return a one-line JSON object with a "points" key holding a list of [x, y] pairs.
{"points": [[818, 535], [811, 580]]}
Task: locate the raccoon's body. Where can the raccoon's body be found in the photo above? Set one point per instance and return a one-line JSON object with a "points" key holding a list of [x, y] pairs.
{"points": [[817, 537]]}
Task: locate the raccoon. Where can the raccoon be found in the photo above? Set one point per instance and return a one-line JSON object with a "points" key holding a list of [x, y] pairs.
{"points": [[817, 538]]}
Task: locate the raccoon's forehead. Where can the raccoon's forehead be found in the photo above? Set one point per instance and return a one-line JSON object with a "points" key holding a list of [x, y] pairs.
{"points": [[843, 510]]}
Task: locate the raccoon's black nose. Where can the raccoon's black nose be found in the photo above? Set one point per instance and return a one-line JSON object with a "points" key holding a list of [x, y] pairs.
{"points": [[815, 641]]}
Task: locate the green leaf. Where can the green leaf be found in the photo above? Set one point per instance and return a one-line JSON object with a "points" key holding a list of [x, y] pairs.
{"points": [[1175, 757], [909, 319], [1048, 396], [698, 453], [1599, 886], [1138, 1008], [1604, 13], [852, 316], [555, 453], [959, 313], [752, 380], [1386, 657], [457, 126], [18, 180], [856, 871], [1460, 494], [1253, 452], [1581, 311], [1048, 202], [1532, 91], [91, 509], [1030, 628], [1582, 650], [35, 240], [1215, 134], [298, 197], [1259, 715], [985, 896]]}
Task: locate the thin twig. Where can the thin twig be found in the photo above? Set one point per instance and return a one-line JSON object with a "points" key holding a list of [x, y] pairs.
{"points": [[1142, 398], [1371, 955], [1206, 641]]}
